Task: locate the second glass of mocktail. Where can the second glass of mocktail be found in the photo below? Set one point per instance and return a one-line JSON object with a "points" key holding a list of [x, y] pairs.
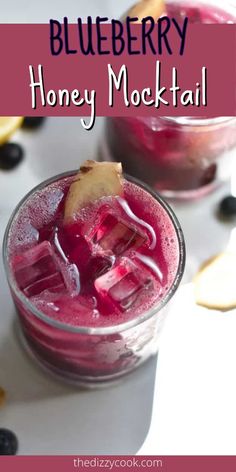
{"points": [[181, 157]]}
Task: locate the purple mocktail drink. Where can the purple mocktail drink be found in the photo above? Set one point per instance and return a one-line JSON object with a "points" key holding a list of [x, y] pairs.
{"points": [[89, 288], [178, 156]]}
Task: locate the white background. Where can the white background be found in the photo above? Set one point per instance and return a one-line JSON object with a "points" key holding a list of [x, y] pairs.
{"points": [[194, 386]]}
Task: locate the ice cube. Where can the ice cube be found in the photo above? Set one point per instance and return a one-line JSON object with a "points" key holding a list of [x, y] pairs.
{"points": [[99, 265], [123, 284], [116, 235], [78, 310], [78, 304], [53, 283], [37, 270]]}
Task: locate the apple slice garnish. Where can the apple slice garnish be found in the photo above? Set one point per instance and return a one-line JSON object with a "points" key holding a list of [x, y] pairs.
{"points": [[144, 8], [215, 283], [94, 181]]}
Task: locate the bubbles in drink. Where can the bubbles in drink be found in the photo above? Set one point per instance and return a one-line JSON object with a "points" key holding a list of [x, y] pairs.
{"points": [[29, 237]]}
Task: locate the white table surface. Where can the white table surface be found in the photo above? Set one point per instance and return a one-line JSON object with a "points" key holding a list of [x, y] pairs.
{"points": [[193, 383]]}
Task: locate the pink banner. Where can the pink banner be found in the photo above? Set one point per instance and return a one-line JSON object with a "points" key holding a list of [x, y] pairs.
{"points": [[118, 463], [199, 81]]}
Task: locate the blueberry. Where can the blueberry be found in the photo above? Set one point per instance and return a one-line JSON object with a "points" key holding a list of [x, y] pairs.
{"points": [[11, 154], [8, 443], [228, 206], [33, 122]]}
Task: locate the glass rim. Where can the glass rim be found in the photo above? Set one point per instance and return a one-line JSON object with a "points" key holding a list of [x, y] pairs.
{"points": [[201, 121], [228, 6], [88, 329]]}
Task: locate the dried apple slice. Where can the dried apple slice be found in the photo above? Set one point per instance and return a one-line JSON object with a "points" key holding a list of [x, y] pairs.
{"points": [[215, 283], [93, 181], [144, 8]]}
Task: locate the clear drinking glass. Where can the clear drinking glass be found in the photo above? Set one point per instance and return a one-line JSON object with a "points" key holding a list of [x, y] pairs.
{"points": [[181, 157], [90, 356]]}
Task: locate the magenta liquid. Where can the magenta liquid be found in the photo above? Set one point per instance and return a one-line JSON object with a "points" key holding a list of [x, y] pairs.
{"points": [[119, 260], [176, 158]]}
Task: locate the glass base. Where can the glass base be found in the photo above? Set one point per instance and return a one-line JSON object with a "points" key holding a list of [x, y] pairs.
{"points": [[83, 382], [190, 194]]}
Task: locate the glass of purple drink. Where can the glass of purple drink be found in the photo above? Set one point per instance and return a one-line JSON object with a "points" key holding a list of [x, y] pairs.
{"points": [[90, 295], [181, 157]]}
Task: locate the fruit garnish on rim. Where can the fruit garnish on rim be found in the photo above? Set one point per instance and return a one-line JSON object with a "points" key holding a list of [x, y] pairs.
{"points": [[144, 8], [215, 283], [94, 181]]}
